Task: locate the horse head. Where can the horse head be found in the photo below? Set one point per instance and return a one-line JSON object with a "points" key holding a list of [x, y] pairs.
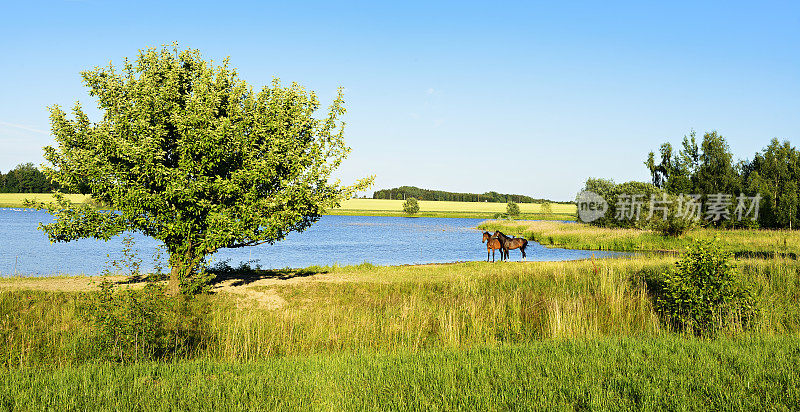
{"points": [[499, 235], [486, 237]]}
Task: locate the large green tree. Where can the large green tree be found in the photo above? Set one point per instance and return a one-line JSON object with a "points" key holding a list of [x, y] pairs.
{"points": [[774, 174], [716, 172], [706, 169], [188, 153], [25, 178]]}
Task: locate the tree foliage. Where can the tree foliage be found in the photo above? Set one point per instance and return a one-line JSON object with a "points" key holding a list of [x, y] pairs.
{"points": [[411, 206], [512, 209], [706, 169], [709, 169], [774, 174], [546, 208], [188, 153], [25, 178], [611, 192], [404, 192]]}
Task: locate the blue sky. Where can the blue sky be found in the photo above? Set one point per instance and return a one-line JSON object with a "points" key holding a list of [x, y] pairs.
{"points": [[525, 97]]}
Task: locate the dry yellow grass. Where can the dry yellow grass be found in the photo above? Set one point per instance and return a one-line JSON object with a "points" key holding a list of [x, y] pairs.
{"points": [[18, 199], [62, 283], [583, 236]]}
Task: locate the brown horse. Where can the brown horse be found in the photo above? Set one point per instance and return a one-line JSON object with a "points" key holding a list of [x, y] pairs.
{"points": [[509, 243], [492, 244]]}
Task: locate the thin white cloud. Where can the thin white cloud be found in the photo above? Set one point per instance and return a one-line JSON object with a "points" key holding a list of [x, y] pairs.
{"points": [[23, 127]]}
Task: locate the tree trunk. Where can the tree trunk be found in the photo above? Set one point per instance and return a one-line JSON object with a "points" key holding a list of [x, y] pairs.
{"points": [[174, 283], [182, 267]]}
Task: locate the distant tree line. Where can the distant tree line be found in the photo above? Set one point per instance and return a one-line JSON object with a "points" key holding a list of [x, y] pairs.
{"points": [[25, 178], [709, 168], [404, 192]]}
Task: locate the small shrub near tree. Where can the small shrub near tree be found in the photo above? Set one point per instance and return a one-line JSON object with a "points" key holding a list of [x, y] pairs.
{"points": [[411, 206], [670, 222], [512, 209], [546, 208], [702, 294], [143, 325]]}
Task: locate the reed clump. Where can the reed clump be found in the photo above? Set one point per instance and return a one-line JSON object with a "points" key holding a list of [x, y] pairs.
{"points": [[765, 243]]}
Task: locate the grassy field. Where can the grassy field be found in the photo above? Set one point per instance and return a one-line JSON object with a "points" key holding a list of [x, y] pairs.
{"points": [[607, 374], [18, 199], [755, 242], [257, 315], [376, 207], [472, 335], [479, 210], [453, 336], [436, 206]]}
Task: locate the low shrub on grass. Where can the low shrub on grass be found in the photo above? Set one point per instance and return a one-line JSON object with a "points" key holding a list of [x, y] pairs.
{"points": [[703, 294], [670, 221], [135, 325]]}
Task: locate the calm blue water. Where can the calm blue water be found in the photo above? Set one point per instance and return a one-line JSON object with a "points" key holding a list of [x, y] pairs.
{"points": [[334, 239]]}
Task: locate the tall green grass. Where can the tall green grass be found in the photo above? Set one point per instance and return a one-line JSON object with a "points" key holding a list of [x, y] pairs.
{"points": [[666, 373], [416, 308]]}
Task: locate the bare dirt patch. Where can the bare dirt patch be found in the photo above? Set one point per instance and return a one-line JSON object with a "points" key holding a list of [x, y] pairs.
{"points": [[61, 283]]}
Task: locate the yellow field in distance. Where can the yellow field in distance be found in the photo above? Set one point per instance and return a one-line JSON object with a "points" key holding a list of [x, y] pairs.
{"points": [[375, 205], [445, 206], [17, 199]]}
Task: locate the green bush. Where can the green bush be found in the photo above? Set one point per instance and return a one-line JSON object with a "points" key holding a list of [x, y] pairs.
{"points": [[411, 206], [672, 226], [633, 216], [512, 209], [674, 222], [702, 294], [136, 325], [546, 208]]}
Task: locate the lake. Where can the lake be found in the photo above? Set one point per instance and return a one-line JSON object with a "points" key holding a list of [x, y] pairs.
{"points": [[343, 240]]}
